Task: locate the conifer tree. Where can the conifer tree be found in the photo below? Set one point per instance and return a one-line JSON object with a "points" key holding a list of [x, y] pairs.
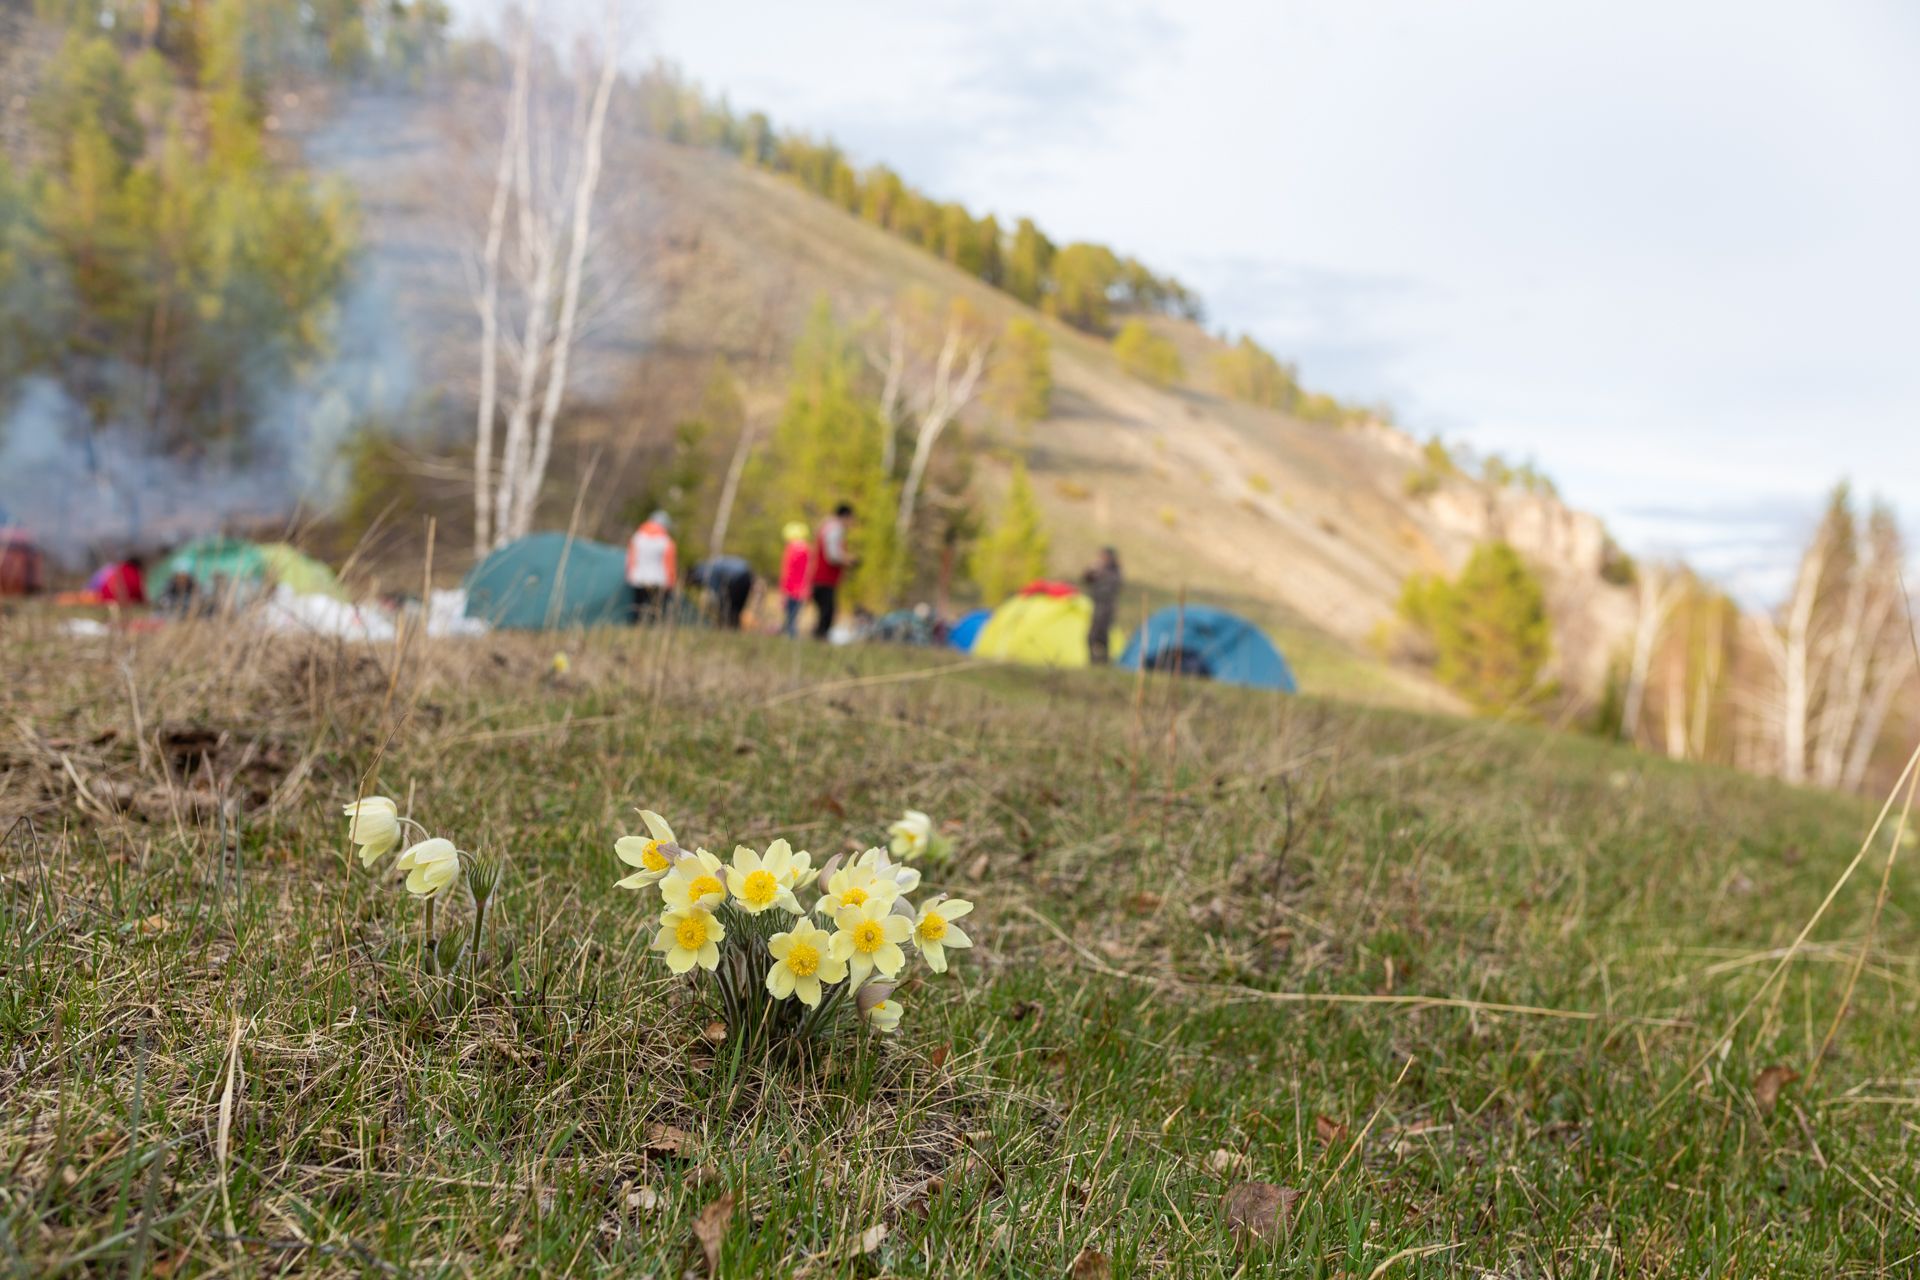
{"points": [[1014, 551]]}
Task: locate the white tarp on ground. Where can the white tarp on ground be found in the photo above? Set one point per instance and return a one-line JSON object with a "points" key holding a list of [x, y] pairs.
{"points": [[318, 615]]}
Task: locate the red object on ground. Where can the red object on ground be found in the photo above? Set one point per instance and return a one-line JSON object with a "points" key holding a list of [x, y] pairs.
{"points": [[1046, 587]]}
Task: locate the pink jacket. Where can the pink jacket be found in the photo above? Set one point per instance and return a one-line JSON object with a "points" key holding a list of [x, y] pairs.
{"points": [[796, 569]]}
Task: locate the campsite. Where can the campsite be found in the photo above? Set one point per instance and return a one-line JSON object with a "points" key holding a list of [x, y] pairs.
{"points": [[909, 641]]}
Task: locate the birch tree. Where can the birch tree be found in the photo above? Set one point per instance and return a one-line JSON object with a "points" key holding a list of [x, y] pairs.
{"points": [[1659, 592], [532, 269], [1840, 648], [933, 366]]}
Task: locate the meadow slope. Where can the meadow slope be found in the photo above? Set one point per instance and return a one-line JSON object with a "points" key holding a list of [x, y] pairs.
{"points": [[1461, 985]]}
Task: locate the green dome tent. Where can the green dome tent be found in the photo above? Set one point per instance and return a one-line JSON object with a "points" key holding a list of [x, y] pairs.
{"points": [[236, 564], [216, 562], [302, 573], [549, 580]]}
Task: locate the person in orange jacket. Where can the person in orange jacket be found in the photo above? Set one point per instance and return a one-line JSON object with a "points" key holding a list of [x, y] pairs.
{"points": [[652, 568]]}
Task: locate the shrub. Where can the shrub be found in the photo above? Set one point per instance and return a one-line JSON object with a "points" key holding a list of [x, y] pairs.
{"points": [[1489, 629], [1146, 355]]}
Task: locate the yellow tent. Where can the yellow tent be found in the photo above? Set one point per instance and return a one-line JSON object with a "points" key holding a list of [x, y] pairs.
{"points": [[307, 576], [1042, 631]]}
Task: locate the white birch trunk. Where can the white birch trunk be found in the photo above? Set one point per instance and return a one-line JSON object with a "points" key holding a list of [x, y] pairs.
{"points": [[586, 181], [489, 301], [950, 397]]}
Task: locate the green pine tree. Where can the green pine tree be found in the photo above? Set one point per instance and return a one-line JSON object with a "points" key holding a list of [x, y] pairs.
{"points": [[1489, 627], [1014, 551], [826, 449]]}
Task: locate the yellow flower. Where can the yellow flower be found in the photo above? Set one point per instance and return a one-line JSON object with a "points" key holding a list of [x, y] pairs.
{"points": [[885, 1017], [690, 938], [562, 664], [803, 959], [650, 852], [934, 930], [642, 852], [431, 866], [911, 835], [696, 882], [375, 827], [877, 1006], [758, 882], [906, 879], [856, 886], [869, 939]]}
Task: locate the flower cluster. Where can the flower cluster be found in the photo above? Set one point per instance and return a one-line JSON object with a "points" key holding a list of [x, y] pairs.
{"points": [[433, 866], [743, 925]]}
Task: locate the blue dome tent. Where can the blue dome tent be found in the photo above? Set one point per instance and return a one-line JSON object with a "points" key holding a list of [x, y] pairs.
{"points": [[1203, 641], [548, 580], [967, 629]]}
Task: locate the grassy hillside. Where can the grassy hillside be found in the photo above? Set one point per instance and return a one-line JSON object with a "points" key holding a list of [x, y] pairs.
{"points": [[1463, 987], [1306, 527]]}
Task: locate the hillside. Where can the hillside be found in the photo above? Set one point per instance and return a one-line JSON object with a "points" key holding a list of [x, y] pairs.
{"points": [[1308, 527], [1424, 971]]}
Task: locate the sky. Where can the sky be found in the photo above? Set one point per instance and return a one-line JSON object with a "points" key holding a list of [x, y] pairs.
{"points": [[1665, 250]]}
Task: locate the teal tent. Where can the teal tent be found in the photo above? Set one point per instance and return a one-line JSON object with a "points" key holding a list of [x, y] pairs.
{"points": [[549, 580], [1201, 641]]}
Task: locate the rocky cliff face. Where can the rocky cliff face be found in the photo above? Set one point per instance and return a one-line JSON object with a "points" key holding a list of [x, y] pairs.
{"points": [[1570, 548]]}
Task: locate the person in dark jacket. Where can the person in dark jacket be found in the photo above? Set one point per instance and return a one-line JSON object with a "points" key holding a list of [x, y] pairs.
{"points": [[729, 582], [1103, 583]]}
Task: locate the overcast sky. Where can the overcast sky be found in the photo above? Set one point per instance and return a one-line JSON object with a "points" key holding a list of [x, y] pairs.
{"points": [[1664, 248]]}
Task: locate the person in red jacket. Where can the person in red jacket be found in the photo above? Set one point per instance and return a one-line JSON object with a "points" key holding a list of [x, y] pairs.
{"points": [[124, 583], [832, 557], [796, 574]]}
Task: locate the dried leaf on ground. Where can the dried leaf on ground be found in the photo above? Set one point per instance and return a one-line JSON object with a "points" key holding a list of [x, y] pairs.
{"points": [[1090, 1264], [869, 1240], [710, 1228], [643, 1198], [1259, 1210], [938, 1058], [1329, 1130], [1144, 903], [666, 1140], [714, 1032], [1768, 1084]]}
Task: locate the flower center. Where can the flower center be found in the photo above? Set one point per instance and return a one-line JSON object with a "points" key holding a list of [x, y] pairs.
{"points": [[760, 888], [853, 897], [651, 858], [804, 959], [703, 887], [867, 936], [691, 933], [933, 927]]}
